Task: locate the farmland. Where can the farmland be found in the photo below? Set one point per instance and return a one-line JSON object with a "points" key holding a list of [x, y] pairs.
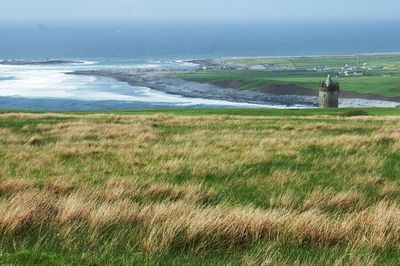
{"points": [[364, 74]]}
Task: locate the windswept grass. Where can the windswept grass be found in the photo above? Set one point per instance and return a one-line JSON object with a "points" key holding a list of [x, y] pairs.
{"points": [[218, 189]]}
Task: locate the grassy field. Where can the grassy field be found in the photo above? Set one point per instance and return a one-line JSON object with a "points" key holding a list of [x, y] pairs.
{"points": [[385, 62], [381, 73], [233, 186], [236, 111], [251, 79]]}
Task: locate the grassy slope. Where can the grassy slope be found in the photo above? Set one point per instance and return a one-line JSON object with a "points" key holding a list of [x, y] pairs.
{"points": [[380, 85], [391, 61], [373, 82], [316, 169]]}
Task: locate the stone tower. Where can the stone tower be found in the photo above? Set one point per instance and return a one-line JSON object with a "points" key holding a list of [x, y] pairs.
{"points": [[329, 94]]}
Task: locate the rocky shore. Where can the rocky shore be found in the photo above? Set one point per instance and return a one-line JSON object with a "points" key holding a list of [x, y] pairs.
{"points": [[290, 96], [176, 86]]}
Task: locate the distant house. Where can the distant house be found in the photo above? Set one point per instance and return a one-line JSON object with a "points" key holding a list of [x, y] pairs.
{"points": [[353, 73]]}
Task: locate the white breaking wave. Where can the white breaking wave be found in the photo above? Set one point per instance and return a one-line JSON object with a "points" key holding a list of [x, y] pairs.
{"points": [[34, 82], [88, 63], [52, 82]]}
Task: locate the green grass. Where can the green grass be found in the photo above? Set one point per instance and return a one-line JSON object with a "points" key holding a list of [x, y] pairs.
{"points": [[390, 61], [379, 85], [248, 158], [206, 111], [381, 73]]}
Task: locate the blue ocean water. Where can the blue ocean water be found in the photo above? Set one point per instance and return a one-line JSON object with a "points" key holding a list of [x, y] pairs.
{"points": [[196, 40], [137, 44]]}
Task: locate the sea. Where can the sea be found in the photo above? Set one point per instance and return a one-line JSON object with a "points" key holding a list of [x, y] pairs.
{"points": [[146, 45]]}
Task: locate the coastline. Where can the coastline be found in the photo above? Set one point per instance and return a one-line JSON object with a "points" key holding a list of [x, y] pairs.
{"points": [[173, 81], [261, 63], [291, 98], [293, 89], [163, 82]]}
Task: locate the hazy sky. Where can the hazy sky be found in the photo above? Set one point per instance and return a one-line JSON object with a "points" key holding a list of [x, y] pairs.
{"points": [[206, 10]]}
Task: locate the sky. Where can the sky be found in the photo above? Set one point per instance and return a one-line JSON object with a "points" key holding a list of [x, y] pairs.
{"points": [[198, 10]]}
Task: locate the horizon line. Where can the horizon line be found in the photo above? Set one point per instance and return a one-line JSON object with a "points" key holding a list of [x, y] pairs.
{"points": [[62, 22]]}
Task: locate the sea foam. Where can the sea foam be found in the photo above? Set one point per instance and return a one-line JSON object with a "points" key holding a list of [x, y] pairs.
{"points": [[53, 82]]}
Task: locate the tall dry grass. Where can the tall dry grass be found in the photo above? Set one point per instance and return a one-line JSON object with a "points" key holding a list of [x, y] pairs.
{"points": [[179, 214], [203, 183]]}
